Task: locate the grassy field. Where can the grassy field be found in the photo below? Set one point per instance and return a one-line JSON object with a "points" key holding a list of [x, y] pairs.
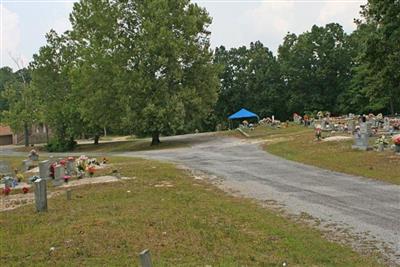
{"points": [[297, 143], [183, 221]]}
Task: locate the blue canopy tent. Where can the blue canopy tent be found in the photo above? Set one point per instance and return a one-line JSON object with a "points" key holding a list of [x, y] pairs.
{"points": [[242, 114]]}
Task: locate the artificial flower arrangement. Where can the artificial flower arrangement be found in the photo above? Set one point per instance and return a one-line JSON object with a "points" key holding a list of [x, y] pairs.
{"points": [[66, 178], [25, 190], [81, 163], [34, 178], [6, 190], [381, 141], [91, 170], [396, 140]]}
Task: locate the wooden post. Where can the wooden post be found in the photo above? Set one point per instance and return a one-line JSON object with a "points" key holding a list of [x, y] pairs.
{"points": [[69, 194], [40, 195], [145, 258]]}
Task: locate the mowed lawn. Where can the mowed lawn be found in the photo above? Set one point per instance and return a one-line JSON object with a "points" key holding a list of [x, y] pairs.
{"points": [[298, 143], [182, 220]]}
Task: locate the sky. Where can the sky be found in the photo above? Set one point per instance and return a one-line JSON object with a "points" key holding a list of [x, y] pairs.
{"points": [[24, 23]]}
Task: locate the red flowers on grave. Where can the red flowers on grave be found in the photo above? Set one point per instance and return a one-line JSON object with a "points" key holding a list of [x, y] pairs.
{"points": [[25, 190], [66, 178], [396, 140], [6, 190], [91, 170]]}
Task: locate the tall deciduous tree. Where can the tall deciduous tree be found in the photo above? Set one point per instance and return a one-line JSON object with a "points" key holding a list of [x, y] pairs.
{"points": [[95, 79], [382, 53], [171, 81], [52, 88], [316, 67]]}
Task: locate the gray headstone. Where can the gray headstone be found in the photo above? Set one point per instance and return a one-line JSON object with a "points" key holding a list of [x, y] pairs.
{"points": [[5, 168], [59, 173], [361, 138], [145, 258], [70, 167], [40, 195], [26, 164], [351, 126], [44, 169]]}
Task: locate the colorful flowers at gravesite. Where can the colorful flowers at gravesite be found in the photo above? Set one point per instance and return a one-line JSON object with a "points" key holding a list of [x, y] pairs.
{"points": [[396, 140], [381, 141], [81, 163]]}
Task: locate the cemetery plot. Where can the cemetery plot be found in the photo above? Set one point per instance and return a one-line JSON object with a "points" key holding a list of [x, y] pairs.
{"points": [[366, 145], [191, 224]]}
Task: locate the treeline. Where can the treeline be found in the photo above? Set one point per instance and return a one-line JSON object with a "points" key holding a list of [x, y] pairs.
{"points": [[146, 68]]}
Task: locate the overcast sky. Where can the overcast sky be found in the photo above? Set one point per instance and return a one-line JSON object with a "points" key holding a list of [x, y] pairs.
{"points": [[24, 23]]}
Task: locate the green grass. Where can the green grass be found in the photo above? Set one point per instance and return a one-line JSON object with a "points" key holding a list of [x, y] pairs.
{"points": [[297, 143], [189, 224]]}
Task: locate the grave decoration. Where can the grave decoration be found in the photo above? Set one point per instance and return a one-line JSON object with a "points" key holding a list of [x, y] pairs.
{"points": [[396, 141], [381, 143], [81, 164], [8, 181], [25, 190], [91, 169], [318, 132], [33, 178], [19, 176], [6, 190], [297, 118], [33, 155], [66, 178]]}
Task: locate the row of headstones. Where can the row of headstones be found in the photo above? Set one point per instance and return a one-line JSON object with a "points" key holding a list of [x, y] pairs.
{"points": [[59, 171]]}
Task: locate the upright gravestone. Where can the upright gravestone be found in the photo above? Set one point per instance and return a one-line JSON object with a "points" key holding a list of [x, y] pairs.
{"points": [[44, 169], [386, 124], [323, 124], [5, 168], [70, 166], [40, 195], [361, 137], [59, 173], [351, 125], [26, 164]]}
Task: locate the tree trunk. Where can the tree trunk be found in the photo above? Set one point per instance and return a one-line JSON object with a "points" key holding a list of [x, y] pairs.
{"points": [[47, 134], [105, 131], [155, 138], [96, 139], [26, 134], [391, 106]]}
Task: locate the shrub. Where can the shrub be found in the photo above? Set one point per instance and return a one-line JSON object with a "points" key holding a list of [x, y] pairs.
{"points": [[56, 145]]}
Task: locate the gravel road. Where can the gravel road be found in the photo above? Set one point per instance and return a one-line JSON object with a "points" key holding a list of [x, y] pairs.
{"points": [[367, 208]]}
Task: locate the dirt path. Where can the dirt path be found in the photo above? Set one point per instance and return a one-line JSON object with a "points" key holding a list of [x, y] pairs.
{"points": [[366, 209]]}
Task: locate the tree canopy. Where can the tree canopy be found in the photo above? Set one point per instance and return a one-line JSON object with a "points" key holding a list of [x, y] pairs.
{"points": [[146, 68]]}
